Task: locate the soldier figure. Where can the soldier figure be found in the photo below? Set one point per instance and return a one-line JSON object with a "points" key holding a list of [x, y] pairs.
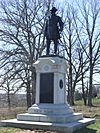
{"points": [[54, 27]]}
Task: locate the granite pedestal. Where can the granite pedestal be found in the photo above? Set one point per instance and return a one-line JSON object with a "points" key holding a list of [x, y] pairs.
{"points": [[51, 110]]}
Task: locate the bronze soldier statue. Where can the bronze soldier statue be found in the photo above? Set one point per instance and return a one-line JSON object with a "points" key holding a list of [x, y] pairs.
{"points": [[54, 27]]}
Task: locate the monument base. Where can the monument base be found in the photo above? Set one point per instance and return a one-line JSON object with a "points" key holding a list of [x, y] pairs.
{"points": [[50, 111], [53, 117]]}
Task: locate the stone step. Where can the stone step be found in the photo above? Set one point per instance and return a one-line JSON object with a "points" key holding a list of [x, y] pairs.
{"points": [[50, 109], [60, 127], [50, 118]]}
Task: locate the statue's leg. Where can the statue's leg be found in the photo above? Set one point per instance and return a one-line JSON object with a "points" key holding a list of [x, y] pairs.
{"points": [[48, 47], [55, 45]]}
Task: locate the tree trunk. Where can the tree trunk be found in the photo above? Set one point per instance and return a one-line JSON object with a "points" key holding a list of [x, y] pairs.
{"points": [[68, 96], [90, 87], [71, 92], [8, 96], [28, 95], [33, 85], [83, 91], [9, 103], [91, 77]]}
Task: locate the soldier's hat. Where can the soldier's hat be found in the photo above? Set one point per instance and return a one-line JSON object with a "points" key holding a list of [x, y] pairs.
{"points": [[53, 9]]}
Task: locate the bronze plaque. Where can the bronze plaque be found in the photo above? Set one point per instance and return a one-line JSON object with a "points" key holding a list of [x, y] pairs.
{"points": [[46, 87]]}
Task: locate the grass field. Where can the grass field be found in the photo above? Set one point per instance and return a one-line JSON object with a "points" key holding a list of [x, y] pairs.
{"points": [[93, 112], [94, 128]]}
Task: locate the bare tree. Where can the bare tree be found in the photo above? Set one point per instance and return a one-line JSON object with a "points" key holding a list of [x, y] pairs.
{"points": [[22, 39], [20, 33], [8, 85], [72, 47], [80, 38], [90, 15]]}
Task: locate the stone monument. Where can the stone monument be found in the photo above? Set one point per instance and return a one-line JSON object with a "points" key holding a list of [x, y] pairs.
{"points": [[51, 110]]}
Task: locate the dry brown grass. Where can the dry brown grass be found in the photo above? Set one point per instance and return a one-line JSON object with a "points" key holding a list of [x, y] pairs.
{"points": [[79, 107], [6, 114], [87, 111]]}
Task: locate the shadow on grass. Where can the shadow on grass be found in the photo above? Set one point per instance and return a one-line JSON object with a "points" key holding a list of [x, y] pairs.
{"points": [[86, 130]]}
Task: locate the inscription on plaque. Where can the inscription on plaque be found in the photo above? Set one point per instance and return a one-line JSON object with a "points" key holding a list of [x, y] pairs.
{"points": [[46, 87]]}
